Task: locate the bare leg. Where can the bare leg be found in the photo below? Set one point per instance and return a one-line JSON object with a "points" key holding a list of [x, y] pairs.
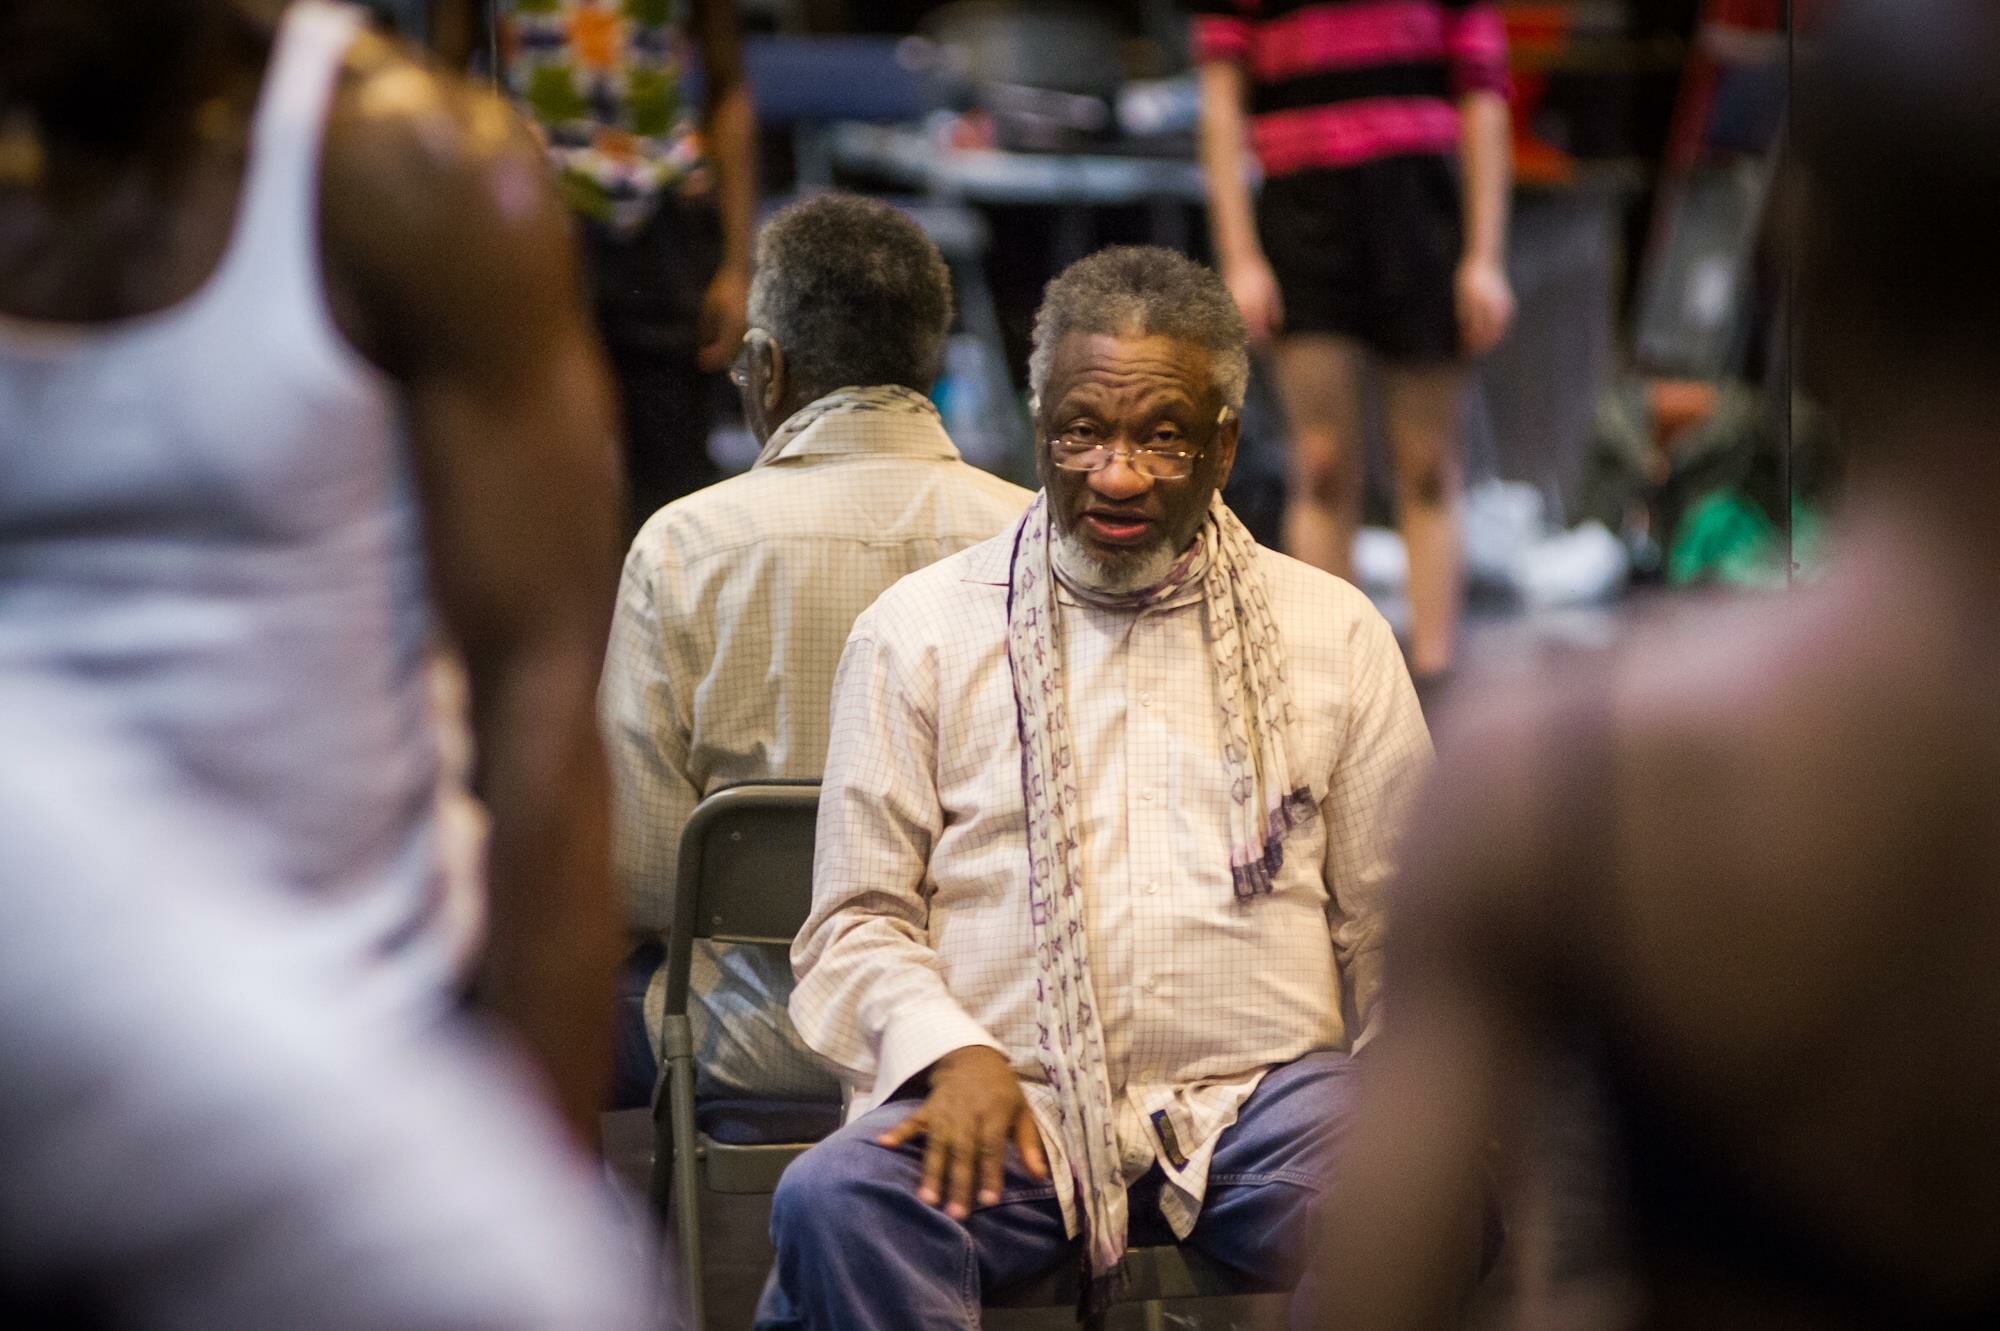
{"points": [[1319, 381], [1422, 405]]}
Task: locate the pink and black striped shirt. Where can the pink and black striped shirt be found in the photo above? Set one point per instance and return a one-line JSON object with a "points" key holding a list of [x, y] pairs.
{"points": [[1335, 83]]}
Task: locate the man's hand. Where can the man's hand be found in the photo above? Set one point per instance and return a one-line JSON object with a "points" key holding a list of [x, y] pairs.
{"points": [[1485, 305], [974, 1109], [1255, 288], [724, 318]]}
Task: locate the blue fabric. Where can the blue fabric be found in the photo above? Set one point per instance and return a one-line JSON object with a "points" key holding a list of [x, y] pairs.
{"points": [[858, 1251], [636, 1064], [766, 1122]]}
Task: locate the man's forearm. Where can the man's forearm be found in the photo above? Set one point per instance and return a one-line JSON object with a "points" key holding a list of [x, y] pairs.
{"points": [[551, 956], [1231, 218], [1486, 152], [730, 122], [732, 134]]}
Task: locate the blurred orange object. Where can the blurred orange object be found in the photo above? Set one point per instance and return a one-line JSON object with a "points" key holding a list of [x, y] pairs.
{"points": [[619, 144], [1536, 35], [1677, 406], [593, 35], [1539, 30], [969, 132]]}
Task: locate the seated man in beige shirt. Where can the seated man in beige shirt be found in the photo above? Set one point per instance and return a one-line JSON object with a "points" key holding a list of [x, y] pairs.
{"points": [[1107, 810], [737, 598]]}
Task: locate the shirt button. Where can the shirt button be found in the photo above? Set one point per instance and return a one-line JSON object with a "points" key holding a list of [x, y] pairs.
{"points": [[1152, 889], [1150, 985], [1146, 796], [1146, 699]]}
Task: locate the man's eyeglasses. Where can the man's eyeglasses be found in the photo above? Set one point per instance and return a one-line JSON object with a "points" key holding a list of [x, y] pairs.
{"points": [[1162, 464], [1089, 452]]}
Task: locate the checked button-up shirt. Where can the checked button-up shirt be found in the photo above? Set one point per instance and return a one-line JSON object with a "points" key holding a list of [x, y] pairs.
{"points": [[920, 942]]}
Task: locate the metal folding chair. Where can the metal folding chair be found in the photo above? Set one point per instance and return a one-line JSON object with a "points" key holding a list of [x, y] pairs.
{"points": [[745, 877]]}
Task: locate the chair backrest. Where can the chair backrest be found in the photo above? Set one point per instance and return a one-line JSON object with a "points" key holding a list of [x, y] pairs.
{"points": [[744, 874]]}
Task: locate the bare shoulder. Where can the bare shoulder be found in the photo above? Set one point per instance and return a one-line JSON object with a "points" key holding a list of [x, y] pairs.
{"points": [[398, 124], [1685, 684], [1740, 780], [1780, 675], [1701, 654], [436, 196]]}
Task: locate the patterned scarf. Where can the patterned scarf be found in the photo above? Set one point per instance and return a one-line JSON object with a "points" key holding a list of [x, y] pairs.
{"points": [[1266, 803], [841, 401]]}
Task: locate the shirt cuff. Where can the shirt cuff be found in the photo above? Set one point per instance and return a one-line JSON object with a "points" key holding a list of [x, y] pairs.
{"points": [[913, 1041]]}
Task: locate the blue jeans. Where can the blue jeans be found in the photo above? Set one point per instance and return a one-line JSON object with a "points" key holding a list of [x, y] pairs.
{"points": [[857, 1250]]}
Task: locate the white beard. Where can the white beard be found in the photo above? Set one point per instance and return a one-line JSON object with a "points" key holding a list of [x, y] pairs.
{"points": [[1076, 564]]}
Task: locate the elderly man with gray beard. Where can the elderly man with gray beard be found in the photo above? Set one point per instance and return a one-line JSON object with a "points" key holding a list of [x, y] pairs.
{"points": [[1108, 808], [737, 598]]}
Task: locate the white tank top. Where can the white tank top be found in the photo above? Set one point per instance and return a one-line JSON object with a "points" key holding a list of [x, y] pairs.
{"points": [[210, 548]]}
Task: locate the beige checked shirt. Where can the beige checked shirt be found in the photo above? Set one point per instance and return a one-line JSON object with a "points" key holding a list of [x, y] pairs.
{"points": [[920, 943], [733, 607]]}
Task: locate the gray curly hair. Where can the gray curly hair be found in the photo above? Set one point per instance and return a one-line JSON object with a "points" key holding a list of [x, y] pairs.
{"points": [[1143, 290], [854, 292]]}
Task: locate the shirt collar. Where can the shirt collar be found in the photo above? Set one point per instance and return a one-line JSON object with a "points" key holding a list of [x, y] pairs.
{"points": [[891, 430], [1186, 596]]}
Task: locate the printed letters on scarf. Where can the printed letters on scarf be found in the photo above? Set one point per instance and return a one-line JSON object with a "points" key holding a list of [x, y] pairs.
{"points": [[1266, 803]]}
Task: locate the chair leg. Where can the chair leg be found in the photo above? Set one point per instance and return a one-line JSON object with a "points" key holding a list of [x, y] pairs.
{"points": [[686, 1181]]}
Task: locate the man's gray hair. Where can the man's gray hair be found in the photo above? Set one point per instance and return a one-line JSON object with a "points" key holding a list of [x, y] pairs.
{"points": [[854, 293], [1139, 291]]}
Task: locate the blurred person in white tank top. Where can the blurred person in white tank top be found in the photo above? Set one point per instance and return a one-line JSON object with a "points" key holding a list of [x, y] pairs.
{"points": [[293, 380]]}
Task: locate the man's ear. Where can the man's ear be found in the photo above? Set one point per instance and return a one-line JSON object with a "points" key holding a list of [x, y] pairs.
{"points": [[766, 347], [1228, 432]]}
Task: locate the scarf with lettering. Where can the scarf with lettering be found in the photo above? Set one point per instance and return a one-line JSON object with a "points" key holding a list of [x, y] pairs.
{"points": [[841, 401], [1266, 801]]}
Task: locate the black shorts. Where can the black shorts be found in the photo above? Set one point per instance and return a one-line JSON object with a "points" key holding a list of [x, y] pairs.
{"points": [[1369, 252]]}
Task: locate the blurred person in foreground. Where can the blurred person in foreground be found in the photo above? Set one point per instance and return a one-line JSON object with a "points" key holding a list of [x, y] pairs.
{"points": [[1379, 238], [736, 600], [664, 190], [1754, 868], [293, 378], [1109, 801], [200, 1127]]}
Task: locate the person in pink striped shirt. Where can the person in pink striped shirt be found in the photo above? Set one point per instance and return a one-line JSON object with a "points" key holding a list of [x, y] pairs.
{"points": [[1381, 130]]}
